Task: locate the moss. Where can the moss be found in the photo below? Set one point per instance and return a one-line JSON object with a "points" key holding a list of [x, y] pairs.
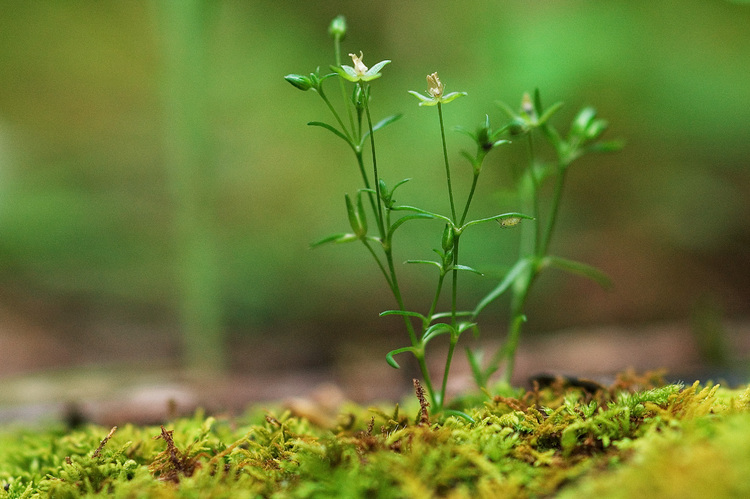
{"points": [[566, 439]]}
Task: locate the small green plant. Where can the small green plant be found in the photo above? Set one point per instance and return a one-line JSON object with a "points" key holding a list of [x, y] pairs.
{"points": [[531, 121], [375, 200]]}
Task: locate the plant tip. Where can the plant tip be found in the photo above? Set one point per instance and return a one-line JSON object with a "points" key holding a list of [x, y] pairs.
{"points": [[337, 28]]}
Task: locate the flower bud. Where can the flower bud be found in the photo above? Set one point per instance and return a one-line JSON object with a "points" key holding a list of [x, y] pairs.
{"points": [[595, 129], [448, 259], [448, 235], [337, 28], [299, 81], [582, 122]]}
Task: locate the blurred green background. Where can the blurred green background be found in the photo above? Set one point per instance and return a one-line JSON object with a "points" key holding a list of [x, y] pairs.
{"points": [[118, 119]]}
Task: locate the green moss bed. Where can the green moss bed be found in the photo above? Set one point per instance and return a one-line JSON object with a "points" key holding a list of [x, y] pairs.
{"points": [[636, 438]]}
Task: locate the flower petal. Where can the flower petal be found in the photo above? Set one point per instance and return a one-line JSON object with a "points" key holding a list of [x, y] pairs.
{"points": [[422, 98], [346, 72], [376, 68], [452, 96]]}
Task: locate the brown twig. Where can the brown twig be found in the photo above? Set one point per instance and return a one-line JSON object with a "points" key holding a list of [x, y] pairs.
{"points": [[104, 441]]}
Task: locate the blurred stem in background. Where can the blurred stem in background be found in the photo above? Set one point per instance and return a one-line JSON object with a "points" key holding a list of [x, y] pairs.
{"points": [[188, 155]]}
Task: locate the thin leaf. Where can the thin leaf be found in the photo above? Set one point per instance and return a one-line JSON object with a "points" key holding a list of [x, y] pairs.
{"points": [[332, 129], [380, 124], [465, 131], [507, 109], [385, 122], [405, 313], [399, 183], [510, 277], [395, 225], [424, 212], [440, 266], [453, 412], [538, 101], [335, 238], [464, 267], [554, 137], [389, 356], [581, 269], [463, 326], [608, 146], [549, 112], [475, 362], [443, 315], [468, 156], [437, 330]]}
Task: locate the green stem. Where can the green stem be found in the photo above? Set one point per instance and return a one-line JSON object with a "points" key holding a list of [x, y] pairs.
{"points": [[433, 306], [559, 184], [534, 194], [471, 196], [454, 295], [338, 118], [380, 264], [379, 212], [445, 157], [448, 359], [514, 335], [361, 165], [437, 404], [454, 290], [337, 51], [397, 295]]}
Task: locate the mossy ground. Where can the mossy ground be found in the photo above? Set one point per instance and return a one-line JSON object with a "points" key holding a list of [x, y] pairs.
{"points": [[636, 438]]}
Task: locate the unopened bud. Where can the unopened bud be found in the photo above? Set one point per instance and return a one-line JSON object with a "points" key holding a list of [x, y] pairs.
{"points": [[337, 28], [448, 235], [595, 129], [583, 121], [299, 81]]}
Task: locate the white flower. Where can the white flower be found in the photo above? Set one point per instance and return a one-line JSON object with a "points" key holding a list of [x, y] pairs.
{"points": [[359, 72], [435, 89]]}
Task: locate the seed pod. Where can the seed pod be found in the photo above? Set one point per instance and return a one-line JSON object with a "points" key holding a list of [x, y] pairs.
{"points": [[447, 242]]}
